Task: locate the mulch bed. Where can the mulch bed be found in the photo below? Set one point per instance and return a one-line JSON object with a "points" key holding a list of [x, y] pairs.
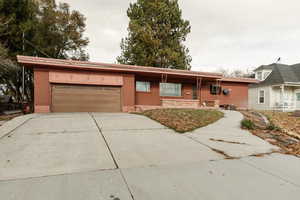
{"points": [[184, 120]]}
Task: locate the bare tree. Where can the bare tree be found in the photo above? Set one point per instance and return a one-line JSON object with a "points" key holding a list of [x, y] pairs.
{"points": [[248, 73]]}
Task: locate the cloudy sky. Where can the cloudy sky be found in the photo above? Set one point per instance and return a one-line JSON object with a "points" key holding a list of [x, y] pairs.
{"points": [[231, 34]]}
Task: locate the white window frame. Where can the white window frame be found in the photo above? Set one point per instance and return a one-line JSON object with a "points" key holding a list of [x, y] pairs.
{"points": [[261, 75], [263, 96], [297, 92], [163, 95], [147, 84]]}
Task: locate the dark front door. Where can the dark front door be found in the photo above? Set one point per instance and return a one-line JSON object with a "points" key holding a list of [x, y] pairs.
{"points": [[195, 92]]}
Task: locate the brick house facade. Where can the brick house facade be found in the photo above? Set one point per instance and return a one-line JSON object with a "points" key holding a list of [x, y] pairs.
{"points": [[75, 86]]}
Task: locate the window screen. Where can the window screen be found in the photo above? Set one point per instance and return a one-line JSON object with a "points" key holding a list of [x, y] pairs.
{"points": [[170, 89], [215, 89], [142, 86], [298, 96], [259, 75], [261, 96]]}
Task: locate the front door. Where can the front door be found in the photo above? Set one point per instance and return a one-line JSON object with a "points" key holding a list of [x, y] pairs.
{"points": [[297, 99], [195, 92]]}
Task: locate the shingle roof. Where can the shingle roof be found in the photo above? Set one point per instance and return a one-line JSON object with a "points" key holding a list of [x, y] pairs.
{"points": [[262, 67], [280, 74]]}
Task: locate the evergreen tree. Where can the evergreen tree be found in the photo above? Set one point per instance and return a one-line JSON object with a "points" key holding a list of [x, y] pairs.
{"points": [[156, 35]]}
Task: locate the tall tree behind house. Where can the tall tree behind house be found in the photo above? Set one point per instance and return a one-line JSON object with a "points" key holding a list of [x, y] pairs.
{"points": [[156, 35]]}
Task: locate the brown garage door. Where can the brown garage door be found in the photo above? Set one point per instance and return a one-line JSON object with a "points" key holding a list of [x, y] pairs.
{"points": [[74, 98]]}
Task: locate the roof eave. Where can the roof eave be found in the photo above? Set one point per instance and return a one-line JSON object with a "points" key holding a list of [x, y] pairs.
{"points": [[31, 63], [249, 81]]}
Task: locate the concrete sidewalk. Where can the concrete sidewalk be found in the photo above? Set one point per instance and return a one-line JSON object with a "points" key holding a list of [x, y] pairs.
{"points": [[105, 156], [227, 136]]}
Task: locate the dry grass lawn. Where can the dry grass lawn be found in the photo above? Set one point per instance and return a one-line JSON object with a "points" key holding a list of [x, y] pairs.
{"points": [[184, 120]]}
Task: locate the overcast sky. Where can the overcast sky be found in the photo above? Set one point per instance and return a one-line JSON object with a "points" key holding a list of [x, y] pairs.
{"points": [[233, 34]]}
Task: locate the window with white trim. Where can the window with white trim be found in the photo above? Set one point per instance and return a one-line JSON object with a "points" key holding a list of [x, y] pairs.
{"points": [[261, 97], [298, 96], [259, 76], [141, 86], [170, 89]]}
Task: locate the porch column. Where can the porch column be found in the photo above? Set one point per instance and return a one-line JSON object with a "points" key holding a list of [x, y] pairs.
{"points": [[199, 85], [282, 97], [217, 102]]}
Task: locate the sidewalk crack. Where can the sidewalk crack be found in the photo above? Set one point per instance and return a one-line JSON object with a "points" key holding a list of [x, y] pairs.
{"points": [[271, 174], [106, 143], [113, 157]]}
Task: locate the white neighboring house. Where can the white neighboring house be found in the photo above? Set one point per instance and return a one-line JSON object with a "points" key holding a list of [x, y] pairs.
{"points": [[278, 89]]}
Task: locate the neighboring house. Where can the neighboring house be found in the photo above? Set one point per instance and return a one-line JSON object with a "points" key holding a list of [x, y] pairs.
{"points": [[279, 88], [74, 86]]}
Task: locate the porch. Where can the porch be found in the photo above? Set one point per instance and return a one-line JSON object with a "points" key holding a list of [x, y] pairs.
{"points": [[180, 103], [285, 97], [158, 92]]}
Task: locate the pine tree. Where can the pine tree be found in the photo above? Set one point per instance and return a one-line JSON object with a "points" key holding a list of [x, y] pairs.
{"points": [[156, 35]]}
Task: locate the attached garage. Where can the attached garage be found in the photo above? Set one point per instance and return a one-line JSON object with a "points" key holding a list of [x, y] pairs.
{"points": [[85, 98]]}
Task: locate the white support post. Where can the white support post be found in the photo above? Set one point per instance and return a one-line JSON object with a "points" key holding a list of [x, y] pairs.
{"points": [[199, 96], [282, 97]]}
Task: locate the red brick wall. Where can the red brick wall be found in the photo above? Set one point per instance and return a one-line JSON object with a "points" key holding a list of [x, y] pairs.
{"points": [[128, 92], [153, 97], [42, 93], [238, 94], [129, 98]]}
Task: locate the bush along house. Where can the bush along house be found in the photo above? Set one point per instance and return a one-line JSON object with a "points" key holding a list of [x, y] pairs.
{"points": [[76, 86]]}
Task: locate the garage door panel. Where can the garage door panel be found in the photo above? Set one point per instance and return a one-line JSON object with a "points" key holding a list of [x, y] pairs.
{"points": [[71, 98]]}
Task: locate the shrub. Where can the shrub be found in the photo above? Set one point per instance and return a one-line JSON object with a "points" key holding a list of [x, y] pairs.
{"points": [[273, 127], [247, 124]]}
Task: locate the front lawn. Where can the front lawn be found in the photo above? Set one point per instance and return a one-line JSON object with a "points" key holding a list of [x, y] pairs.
{"points": [[184, 120]]}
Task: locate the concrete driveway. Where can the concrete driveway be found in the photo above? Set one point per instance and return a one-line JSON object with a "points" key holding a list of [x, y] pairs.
{"points": [[99, 156]]}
